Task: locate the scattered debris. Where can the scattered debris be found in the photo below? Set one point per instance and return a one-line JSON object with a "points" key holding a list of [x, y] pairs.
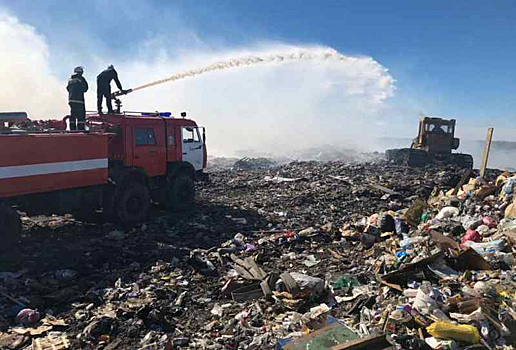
{"points": [[322, 255]]}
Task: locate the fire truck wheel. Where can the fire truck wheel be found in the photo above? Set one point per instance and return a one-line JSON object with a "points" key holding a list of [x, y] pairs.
{"points": [[181, 193], [133, 204], [10, 225]]}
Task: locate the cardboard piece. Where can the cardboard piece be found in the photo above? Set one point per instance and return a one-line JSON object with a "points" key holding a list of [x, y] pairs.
{"points": [[462, 181], [252, 292], [471, 260], [324, 338], [445, 243], [373, 342]]}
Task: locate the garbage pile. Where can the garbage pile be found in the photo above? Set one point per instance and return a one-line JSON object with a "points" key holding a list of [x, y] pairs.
{"points": [[247, 163], [37, 126], [303, 256]]}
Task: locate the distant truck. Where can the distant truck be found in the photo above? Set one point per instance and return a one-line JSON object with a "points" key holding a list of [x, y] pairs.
{"points": [[433, 145], [121, 164]]}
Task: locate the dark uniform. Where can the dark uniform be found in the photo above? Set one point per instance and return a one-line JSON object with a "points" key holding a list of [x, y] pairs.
{"points": [[104, 88], [76, 87]]}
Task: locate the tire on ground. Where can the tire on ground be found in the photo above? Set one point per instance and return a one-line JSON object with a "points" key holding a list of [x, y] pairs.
{"points": [[10, 226], [180, 193], [133, 204]]}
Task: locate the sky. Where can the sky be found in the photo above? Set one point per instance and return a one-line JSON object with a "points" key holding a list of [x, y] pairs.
{"points": [[401, 60]]}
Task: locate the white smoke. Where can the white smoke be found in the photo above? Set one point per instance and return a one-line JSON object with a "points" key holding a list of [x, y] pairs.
{"points": [[27, 81], [279, 98]]}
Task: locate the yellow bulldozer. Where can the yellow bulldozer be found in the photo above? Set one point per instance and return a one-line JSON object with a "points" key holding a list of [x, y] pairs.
{"points": [[433, 145]]}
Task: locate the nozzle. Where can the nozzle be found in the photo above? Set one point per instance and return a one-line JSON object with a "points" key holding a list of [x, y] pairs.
{"points": [[120, 93]]}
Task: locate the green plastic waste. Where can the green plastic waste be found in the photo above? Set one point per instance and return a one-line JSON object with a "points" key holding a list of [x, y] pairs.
{"points": [[345, 282]]}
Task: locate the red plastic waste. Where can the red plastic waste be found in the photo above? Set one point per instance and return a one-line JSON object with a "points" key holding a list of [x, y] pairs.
{"points": [[471, 235], [27, 316], [489, 221]]}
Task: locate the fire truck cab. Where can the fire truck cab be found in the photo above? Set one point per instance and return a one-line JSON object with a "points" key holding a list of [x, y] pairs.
{"points": [[122, 164]]}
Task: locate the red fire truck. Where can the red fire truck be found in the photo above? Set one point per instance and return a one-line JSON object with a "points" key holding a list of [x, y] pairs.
{"points": [[122, 164]]}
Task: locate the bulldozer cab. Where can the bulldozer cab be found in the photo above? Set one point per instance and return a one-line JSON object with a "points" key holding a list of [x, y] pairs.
{"points": [[436, 136]]}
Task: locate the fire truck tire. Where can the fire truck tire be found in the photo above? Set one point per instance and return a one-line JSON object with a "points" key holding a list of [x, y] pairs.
{"points": [[10, 225], [133, 204], [181, 193]]}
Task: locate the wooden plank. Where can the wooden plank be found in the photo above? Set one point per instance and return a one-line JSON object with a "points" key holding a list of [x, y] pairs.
{"points": [[384, 189], [290, 283], [462, 181], [487, 148], [237, 260], [242, 272], [254, 269]]}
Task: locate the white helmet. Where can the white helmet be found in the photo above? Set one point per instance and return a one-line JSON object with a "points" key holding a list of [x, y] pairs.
{"points": [[78, 70]]}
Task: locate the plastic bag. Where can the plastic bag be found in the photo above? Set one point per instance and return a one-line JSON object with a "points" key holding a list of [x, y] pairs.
{"points": [[476, 315], [508, 188], [470, 222], [27, 316], [447, 212], [408, 241], [425, 304], [442, 344], [487, 247], [507, 225], [471, 235], [314, 284], [447, 330], [483, 230], [489, 221]]}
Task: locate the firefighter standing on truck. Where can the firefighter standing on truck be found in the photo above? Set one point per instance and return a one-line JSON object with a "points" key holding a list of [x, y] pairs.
{"points": [[76, 87], [104, 87]]}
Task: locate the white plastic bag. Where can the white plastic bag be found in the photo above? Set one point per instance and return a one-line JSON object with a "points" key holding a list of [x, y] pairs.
{"points": [[447, 212]]}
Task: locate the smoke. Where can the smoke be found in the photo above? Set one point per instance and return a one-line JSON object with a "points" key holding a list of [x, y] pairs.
{"points": [[27, 81], [278, 98]]}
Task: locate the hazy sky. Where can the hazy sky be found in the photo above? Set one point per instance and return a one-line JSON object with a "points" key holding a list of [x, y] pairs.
{"points": [[452, 59]]}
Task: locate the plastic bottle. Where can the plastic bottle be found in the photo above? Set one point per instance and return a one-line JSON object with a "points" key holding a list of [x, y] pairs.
{"points": [[407, 242]]}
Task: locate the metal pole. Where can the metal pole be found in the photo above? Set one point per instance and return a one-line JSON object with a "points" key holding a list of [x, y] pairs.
{"points": [[487, 148]]}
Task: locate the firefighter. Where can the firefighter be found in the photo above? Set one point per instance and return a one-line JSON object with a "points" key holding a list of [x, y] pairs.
{"points": [[76, 87], [104, 87]]}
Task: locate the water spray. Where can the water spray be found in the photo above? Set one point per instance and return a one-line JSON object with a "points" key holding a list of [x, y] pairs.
{"points": [[298, 55]]}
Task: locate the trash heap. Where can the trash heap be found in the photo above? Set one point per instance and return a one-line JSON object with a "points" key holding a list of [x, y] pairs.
{"points": [[247, 163], [307, 255]]}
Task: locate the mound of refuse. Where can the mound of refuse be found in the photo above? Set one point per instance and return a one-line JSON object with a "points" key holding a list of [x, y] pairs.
{"points": [[319, 255]]}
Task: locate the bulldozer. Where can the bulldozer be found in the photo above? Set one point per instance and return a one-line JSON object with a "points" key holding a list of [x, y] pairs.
{"points": [[433, 145]]}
